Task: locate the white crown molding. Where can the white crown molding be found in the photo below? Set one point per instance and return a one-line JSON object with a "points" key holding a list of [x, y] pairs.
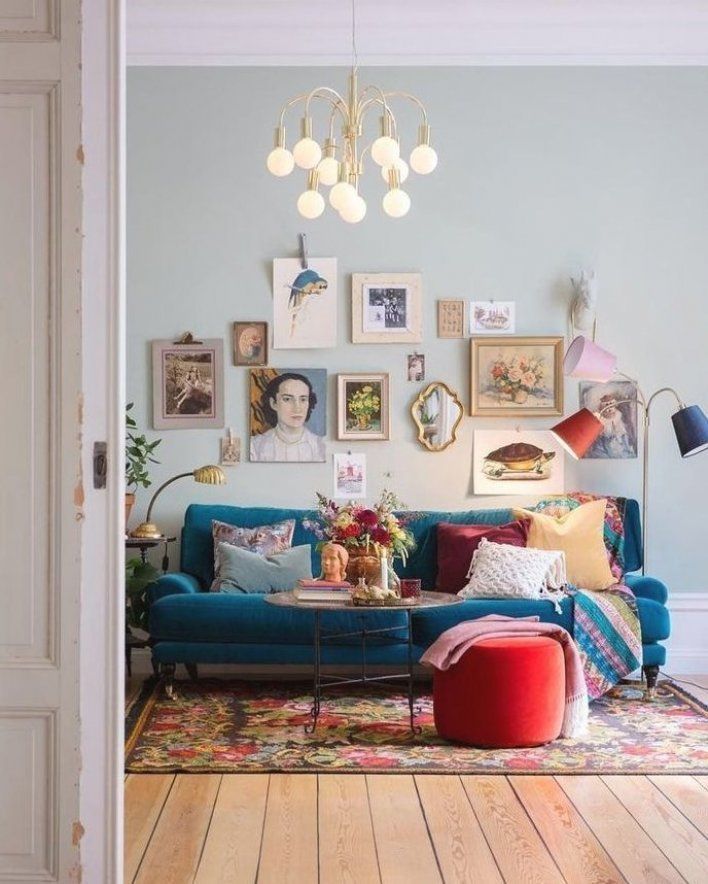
{"points": [[418, 32]]}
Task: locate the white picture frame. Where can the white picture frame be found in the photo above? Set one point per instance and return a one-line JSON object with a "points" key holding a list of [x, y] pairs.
{"points": [[387, 308], [304, 304]]}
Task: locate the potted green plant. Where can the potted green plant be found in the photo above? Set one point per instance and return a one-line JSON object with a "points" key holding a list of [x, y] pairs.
{"points": [[139, 576], [138, 454]]}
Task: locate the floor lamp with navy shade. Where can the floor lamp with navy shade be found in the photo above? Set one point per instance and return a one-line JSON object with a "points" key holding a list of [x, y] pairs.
{"points": [[588, 361]]}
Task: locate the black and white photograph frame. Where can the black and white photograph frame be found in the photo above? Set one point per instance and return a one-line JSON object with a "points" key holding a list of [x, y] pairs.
{"points": [[387, 308], [188, 384]]}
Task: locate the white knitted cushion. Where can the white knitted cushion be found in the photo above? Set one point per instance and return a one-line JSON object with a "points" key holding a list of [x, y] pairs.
{"points": [[499, 570]]}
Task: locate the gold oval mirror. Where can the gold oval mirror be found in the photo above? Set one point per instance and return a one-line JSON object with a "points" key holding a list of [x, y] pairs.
{"points": [[437, 413]]}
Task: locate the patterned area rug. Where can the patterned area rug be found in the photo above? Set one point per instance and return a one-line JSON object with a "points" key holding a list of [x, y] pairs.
{"points": [[237, 726]]}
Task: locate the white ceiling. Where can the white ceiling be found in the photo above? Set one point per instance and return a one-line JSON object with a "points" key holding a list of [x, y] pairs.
{"points": [[416, 32]]}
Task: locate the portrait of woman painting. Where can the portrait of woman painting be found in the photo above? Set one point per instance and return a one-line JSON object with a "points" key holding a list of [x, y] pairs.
{"points": [[512, 376], [288, 417], [615, 404], [188, 384]]}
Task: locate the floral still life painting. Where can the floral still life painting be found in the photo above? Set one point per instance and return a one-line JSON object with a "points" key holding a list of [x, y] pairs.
{"points": [[517, 462], [362, 406], [516, 376], [615, 404], [304, 303], [288, 415]]}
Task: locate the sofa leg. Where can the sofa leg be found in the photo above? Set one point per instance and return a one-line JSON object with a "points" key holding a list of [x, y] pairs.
{"points": [[192, 670], [651, 673], [167, 670]]}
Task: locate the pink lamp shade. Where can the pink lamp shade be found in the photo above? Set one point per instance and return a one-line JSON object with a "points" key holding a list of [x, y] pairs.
{"points": [[577, 432], [585, 359]]}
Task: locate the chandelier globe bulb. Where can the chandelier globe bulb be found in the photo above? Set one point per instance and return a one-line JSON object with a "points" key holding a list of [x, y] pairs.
{"points": [[342, 194], [385, 150], [329, 171], [310, 204], [353, 211], [401, 166], [307, 153], [423, 159], [280, 162], [396, 203]]}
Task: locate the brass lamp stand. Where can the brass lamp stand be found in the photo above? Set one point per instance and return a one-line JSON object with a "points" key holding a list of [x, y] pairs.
{"points": [[206, 475]]}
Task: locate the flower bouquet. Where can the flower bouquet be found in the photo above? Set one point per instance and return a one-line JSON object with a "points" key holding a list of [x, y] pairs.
{"points": [[363, 405], [358, 528], [518, 377]]}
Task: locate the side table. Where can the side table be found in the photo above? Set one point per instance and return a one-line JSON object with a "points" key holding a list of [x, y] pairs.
{"points": [[359, 629], [143, 544]]}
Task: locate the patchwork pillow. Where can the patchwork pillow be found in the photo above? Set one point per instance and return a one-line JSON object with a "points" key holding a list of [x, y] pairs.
{"points": [[579, 533], [263, 540], [613, 531], [457, 544], [243, 571], [499, 570]]}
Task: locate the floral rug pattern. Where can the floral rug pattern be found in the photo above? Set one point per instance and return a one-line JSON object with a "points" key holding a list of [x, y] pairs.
{"points": [[249, 726]]}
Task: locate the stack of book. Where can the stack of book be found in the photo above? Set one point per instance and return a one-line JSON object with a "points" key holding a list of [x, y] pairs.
{"points": [[322, 591]]}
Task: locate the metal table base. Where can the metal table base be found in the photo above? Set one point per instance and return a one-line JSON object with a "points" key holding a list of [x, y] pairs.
{"points": [[383, 634]]}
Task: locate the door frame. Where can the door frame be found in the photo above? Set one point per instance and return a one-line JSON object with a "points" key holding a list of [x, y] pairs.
{"points": [[103, 338]]}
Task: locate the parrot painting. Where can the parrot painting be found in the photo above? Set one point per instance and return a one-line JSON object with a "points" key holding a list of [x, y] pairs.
{"points": [[307, 284]]}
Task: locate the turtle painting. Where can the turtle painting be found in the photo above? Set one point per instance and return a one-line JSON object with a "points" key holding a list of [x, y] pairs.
{"points": [[520, 457], [517, 462]]}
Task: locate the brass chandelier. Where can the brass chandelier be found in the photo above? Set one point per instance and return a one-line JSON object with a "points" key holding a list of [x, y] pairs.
{"points": [[341, 166]]}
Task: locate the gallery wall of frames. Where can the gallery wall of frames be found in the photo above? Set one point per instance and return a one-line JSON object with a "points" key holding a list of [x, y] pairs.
{"points": [[420, 354]]}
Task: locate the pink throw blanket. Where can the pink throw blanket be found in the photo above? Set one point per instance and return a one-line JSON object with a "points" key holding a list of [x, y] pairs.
{"points": [[447, 649]]}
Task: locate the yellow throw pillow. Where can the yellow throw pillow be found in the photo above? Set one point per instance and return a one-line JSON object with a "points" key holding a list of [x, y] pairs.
{"points": [[579, 533]]}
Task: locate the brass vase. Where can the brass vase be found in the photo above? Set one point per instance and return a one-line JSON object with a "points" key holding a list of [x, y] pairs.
{"points": [[364, 563]]}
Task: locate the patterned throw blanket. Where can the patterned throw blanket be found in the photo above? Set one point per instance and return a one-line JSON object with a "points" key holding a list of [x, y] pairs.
{"points": [[608, 636], [607, 629]]}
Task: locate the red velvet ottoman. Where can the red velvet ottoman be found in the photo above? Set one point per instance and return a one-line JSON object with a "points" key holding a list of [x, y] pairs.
{"points": [[502, 693]]}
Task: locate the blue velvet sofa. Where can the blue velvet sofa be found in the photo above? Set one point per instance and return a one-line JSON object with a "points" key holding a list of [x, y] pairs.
{"points": [[190, 625]]}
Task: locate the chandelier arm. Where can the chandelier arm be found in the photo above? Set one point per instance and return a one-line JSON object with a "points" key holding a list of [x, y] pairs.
{"points": [[380, 98], [308, 96], [333, 96], [419, 104]]}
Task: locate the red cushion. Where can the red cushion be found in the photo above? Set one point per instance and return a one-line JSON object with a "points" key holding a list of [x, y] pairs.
{"points": [[502, 693], [457, 543]]}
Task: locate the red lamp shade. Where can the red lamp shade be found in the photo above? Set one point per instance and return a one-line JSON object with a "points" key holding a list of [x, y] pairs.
{"points": [[577, 432]]}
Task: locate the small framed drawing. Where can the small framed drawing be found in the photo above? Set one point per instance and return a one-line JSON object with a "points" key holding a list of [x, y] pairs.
{"points": [[188, 384], [492, 317], [363, 410], [349, 475], [451, 319], [387, 308], [516, 376], [615, 404], [304, 303], [250, 343]]}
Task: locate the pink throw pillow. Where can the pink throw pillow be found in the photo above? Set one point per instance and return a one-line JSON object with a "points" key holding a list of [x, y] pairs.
{"points": [[457, 544]]}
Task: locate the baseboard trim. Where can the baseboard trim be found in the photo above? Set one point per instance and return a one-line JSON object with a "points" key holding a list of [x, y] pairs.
{"points": [[686, 650]]}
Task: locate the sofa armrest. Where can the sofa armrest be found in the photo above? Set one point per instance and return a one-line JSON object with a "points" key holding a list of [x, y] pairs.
{"points": [[175, 583], [647, 587]]}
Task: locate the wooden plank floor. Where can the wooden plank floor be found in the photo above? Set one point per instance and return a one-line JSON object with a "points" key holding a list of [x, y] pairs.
{"points": [[329, 828]]}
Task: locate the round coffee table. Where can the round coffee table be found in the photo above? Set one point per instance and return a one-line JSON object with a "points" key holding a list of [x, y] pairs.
{"points": [[383, 634]]}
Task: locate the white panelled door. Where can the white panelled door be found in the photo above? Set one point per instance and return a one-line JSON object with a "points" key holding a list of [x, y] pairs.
{"points": [[41, 484]]}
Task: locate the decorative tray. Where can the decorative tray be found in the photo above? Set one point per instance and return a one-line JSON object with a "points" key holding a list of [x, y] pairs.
{"points": [[394, 602]]}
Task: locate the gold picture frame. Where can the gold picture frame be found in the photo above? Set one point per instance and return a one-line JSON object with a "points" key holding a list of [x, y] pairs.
{"points": [[514, 376], [437, 425], [361, 423]]}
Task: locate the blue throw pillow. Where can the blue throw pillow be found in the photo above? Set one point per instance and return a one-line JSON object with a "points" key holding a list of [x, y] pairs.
{"points": [[245, 571]]}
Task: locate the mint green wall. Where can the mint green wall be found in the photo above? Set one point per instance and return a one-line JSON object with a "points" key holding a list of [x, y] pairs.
{"points": [[542, 172]]}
